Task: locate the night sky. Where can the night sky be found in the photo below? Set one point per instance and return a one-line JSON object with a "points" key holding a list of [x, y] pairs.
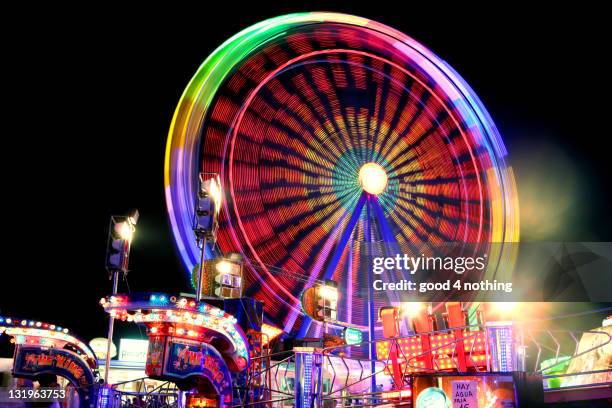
{"points": [[90, 98]]}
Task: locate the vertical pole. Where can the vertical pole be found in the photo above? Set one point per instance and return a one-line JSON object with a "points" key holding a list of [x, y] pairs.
{"points": [[520, 350], [181, 399], [338, 251], [298, 382], [111, 326], [398, 373], [371, 312], [201, 271], [308, 382], [317, 398]]}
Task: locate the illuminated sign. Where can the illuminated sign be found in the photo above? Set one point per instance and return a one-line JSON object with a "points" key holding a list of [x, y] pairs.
{"points": [[155, 355], [465, 394], [465, 391], [353, 336], [36, 361], [30, 361], [133, 350], [184, 358]]}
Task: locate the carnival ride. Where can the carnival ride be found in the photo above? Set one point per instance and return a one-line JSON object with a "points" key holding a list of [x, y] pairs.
{"points": [[44, 351], [332, 134], [191, 343], [302, 147], [334, 138]]}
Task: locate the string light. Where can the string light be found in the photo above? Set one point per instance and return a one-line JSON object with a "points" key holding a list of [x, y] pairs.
{"points": [[36, 332], [442, 348], [179, 312]]}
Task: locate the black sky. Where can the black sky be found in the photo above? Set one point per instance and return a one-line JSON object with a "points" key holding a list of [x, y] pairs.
{"points": [[89, 96]]}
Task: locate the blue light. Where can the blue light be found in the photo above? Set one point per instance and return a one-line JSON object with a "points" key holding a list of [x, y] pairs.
{"points": [[158, 298], [307, 380], [104, 399]]}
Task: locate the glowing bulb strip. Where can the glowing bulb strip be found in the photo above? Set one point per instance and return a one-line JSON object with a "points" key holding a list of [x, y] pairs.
{"points": [[270, 332], [163, 301], [219, 324], [443, 346], [44, 334], [169, 309]]}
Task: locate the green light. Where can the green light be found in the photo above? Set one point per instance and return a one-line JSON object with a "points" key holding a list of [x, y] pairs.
{"points": [[353, 336]]}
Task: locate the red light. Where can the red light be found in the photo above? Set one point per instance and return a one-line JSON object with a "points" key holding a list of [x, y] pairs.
{"points": [[397, 394]]}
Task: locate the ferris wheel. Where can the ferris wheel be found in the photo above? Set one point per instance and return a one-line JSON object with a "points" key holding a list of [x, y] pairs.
{"points": [[330, 131]]}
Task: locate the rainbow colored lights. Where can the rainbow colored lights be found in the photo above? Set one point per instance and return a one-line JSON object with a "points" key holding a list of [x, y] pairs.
{"points": [[177, 316], [440, 355], [32, 332], [289, 110]]}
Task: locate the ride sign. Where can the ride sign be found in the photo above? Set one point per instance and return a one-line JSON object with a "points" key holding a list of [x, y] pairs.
{"points": [[465, 394], [185, 358]]}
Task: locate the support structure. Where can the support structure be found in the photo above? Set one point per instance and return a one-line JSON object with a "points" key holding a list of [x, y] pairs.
{"points": [[44, 350], [308, 384], [193, 344]]}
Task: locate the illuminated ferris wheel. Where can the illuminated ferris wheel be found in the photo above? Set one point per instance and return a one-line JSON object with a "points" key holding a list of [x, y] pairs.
{"points": [[330, 131]]}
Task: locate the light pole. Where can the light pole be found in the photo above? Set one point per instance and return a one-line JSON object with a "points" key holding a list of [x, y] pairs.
{"points": [[120, 234], [205, 224]]}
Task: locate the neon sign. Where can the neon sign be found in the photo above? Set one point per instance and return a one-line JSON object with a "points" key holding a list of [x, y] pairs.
{"points": [[31, 361], [184, 358]]}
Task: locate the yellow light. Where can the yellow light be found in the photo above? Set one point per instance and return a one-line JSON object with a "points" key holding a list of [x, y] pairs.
{"points": [[125, 231], [328, 292], [373, 178], [212, 186], [215, 193], [505, 309], [270, 332], [505, 306], [411, 309], [224, 267]]}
